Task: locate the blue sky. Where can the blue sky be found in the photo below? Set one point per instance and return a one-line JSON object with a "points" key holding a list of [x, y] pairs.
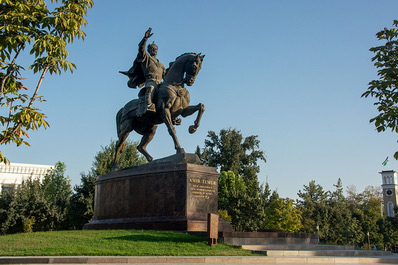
{"points": [[291, 72]]}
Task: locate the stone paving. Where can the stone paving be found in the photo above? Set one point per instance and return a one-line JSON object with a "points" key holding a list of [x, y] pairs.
{"points": [[392, 259]]}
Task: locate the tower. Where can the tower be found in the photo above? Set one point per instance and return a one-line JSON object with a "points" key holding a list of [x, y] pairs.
{"points": [[390, 191]]}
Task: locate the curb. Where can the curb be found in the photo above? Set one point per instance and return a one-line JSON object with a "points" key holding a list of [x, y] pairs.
{"points": [[192, 259]]}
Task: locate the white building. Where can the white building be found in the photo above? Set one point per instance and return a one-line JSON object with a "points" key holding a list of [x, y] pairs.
{"points": [[14, 173], [390, 191]]}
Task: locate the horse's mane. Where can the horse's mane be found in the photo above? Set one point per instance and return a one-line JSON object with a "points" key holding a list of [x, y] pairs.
{"points": [[171, 63], [184, 55]]}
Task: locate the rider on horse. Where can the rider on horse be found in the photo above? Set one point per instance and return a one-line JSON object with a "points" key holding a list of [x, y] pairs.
{"points": [[146, 70]]}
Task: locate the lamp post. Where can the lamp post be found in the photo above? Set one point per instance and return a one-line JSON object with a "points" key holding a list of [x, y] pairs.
{"points": [[368, 240]]}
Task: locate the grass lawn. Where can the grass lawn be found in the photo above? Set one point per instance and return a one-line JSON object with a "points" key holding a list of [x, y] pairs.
{"points": [[112, 243]]}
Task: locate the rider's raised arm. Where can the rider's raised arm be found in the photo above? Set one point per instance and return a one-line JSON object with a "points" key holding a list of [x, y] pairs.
{"points": [[142, 44], [141, 47]]}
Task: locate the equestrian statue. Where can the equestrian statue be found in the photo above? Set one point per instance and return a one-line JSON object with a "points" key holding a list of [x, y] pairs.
{"points": [[158, 101]]}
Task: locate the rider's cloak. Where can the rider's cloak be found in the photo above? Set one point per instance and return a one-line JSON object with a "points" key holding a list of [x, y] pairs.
{"points": [[136, 74]]}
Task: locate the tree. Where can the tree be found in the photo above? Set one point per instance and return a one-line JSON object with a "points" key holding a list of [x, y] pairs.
{"points": [[244, 210], [281, 214], [366, 207], [388, 227], [102, 163], [385, 89], [82, 201], [36, 205], [230, 189], [22, 204], [329, 214], [344, 229], [30, 25], [239, 190], [230, 151], [57, 191], [312, 204]]}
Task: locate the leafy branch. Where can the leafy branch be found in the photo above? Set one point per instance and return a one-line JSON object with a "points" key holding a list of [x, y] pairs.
{"points": [[385, 89], [29, 23]]}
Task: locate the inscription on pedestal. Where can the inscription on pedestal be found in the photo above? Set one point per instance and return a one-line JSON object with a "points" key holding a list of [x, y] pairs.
{"points": [[202, 191], [203, 188]]}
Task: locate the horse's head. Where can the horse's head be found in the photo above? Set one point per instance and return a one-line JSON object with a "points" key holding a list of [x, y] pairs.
{"points": [[192, 68], [184, 69]]}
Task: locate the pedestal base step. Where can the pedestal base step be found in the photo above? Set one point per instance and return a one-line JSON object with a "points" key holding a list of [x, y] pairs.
{"points": [[170, 225]]}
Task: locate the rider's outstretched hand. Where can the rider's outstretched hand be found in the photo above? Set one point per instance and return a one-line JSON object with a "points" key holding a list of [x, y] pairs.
{"points": [[148, 33]]}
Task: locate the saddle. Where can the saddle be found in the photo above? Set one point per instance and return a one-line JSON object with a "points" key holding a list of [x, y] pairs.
{"points": [[130, 109], [136, 108]]}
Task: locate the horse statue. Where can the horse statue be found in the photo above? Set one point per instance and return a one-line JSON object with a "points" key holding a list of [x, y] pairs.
{"points": [[171, 99]]}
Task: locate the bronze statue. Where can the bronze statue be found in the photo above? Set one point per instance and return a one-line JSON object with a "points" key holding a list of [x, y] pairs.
{"points": [[170, 99], [148, 70]]}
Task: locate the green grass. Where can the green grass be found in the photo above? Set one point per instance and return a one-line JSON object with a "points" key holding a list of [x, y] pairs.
{"points": [[112, 243]]}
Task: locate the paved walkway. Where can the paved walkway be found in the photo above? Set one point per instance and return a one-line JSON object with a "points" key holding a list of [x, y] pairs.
{"points": [[393, 259]]}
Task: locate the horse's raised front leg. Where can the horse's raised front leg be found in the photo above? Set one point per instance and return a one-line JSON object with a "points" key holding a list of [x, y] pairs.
{"points": [[166, 118], [191, 110], [146, 138]]}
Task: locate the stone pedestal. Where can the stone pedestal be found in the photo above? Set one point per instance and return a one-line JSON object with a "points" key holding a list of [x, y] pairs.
{"points": [[173, 193]]}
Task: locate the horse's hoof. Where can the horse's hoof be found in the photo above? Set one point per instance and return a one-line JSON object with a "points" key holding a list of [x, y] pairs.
{"points": [[180, 150], [192, 129], [177, 121]]}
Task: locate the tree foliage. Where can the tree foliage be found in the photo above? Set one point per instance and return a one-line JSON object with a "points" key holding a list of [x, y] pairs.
{"points": [[312, 204], [239, 191], [130, 156], [230, 151], [82, 201], [36, 205], [246, 211], [343, 228], [250, 213], [385, 89], [280, 213], [28, 26], [355, 219], [366, 207], [57, 191], [230, 187], [240, 196]]}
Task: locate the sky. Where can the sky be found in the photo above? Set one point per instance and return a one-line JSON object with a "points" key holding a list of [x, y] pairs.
{"points": [[290, 72]]}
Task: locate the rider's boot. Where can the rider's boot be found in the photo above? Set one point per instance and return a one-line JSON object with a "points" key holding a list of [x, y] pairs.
{"points": [[148, 99]]}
